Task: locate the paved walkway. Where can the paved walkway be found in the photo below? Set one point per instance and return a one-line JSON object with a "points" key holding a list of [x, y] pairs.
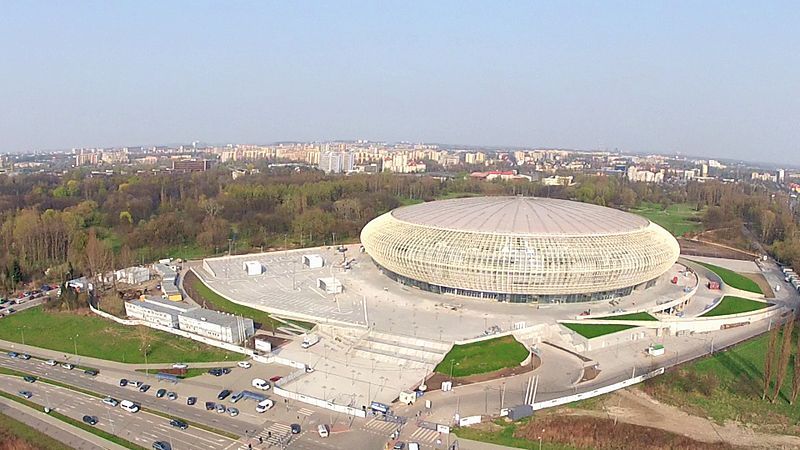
{"points": [[58, 430]]}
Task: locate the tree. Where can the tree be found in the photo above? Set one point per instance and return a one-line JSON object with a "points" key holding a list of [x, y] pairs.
{"points": [[98, 255], [786, 352], [769, 361], [796, 373]]}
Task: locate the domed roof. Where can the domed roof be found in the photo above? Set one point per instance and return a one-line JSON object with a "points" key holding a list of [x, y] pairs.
{"points": [[520, 215]]}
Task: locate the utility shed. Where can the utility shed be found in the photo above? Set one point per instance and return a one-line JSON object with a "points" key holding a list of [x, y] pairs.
{"points": [[330, 285], [253, 267], [313, 261]]}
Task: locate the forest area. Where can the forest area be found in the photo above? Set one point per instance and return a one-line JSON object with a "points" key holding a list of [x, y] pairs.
{"points": [[55, 228]]}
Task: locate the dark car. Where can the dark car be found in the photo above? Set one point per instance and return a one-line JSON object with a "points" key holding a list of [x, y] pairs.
{"points": [[123, 382], [26, 394], [179, 424], [191, 401], [226, 370], [210, 406], [25, 356], [161, 445], [91, 372], [91, 420], [295, 428], [276, 378], [223, 394], [144, 388], [215, 372], [29, 378], [13, 354], [161, 392]]}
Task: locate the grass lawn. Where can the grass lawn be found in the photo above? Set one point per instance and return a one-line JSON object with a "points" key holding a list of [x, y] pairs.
{"points": [[728, 386], [731, 304], [12, 428], [678, 218], [199, 292], [591, 330], [632, 316], [505, 436], [483, 357], [101, 338], [190, 372], [733, 279]]}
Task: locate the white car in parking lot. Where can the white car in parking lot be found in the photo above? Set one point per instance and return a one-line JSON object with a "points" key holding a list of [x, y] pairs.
{"points": [[244, 364], [258, 383]]}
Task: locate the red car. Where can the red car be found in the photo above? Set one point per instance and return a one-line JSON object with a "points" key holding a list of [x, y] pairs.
{"points": [[275, 378]]}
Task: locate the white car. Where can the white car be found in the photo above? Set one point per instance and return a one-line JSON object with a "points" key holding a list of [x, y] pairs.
{"points": [[129, 406], [180, 366], [244, 364], [110, 401], [67, 366], [51, 362], [258, 383], [264, 405]]}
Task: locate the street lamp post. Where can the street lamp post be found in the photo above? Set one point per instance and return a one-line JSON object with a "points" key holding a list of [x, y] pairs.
{"points": [[146, 365], [75, 345], [22, 330]]}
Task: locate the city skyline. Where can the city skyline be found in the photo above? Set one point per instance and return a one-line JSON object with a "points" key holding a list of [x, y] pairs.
{"points": [[708, 80]]}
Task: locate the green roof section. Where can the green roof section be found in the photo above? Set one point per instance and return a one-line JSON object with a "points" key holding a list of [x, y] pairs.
{"points": [[731, 304], [593, 330], [732, 279], [644, 316]]}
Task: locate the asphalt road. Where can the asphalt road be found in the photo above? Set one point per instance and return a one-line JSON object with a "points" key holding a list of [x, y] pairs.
{"points": [[142, 428], [23, 414]]}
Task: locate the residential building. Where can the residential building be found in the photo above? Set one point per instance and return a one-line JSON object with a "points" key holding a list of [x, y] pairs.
{"points": [[157, 310]]}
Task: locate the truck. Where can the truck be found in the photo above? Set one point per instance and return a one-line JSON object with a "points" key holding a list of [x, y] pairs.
{"points": [[309, 340]]}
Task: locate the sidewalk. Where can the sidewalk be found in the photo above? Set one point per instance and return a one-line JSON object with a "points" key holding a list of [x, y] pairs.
{"points": [[30, 416]]}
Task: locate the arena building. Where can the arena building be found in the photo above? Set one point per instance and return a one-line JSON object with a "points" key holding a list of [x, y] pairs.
{"points": [[520, 249]]}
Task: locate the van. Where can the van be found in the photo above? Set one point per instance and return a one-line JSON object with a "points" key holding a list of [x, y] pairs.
{"points": [[264, 405], [323, 431], [129, 406], [260, 384]]}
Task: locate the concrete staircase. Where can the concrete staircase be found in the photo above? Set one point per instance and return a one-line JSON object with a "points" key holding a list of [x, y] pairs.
{"points": [[407, 351]]}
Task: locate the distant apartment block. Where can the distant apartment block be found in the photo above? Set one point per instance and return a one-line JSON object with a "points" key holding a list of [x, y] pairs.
{"points": [[336, 162], [192, 165]]}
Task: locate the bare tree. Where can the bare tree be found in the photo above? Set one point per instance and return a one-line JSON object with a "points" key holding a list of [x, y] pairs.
{"points": [[796, 374], [769, 361], [786, 352], [98, 255]]}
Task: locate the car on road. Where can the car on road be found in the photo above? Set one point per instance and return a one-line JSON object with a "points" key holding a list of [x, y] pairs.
{"points": [[264, 405], [179, 424], [13, 354], [91, 420], [399, 445], [26, 394], [295, 427], [25, 356], [29, 378], [129, 406], [171, 395], [91, 372], [180, 366], [160, 393], [220, 408], [144, 388], [223, 394], [51, 362], [210, 406], [275, 379], [67, 366], [110, 401], [244, 364], [161, 445], [191, 401], [215, 372], [226, 370], [11, 310], [233, 412], [323, 431], [258, 383], [135, 383], [413, 446], [123, 382]]}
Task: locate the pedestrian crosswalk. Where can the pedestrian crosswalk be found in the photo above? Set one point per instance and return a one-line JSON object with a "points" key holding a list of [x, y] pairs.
{"points": [[378, 426], [305, 412], [424, 435]]}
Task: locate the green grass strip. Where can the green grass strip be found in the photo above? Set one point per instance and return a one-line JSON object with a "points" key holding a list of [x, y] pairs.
{"points": [[590, 330], [75, 423], [633, 316], [731, 304], [10, 427], [733, 279]]}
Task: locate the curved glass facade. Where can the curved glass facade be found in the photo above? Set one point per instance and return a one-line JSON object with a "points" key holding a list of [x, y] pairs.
{"points": [[520, 267]]}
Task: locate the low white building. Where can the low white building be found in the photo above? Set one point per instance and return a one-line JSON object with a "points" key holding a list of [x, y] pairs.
{"points": [[157, 310], [132, 275], [313, 261], [253, 267], [330, 285], [166, 272], [216, 325]]}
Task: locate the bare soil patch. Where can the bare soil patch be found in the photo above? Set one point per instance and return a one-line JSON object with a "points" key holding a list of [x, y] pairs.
{"points": [[762, 283], [697, 248]]}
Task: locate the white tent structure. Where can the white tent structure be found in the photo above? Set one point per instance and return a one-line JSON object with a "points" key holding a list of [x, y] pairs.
{"points": [[253, 267], [330, 285], [313, 261]]}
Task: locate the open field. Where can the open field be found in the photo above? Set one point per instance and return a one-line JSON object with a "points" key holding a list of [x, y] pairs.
{"points": [[590, 330], [96, 337], [733, 279], [728, 386], [731, 304], [483, 357], [678, 219], [632, 316], [207, 298], [562, 432], [17, 435]]}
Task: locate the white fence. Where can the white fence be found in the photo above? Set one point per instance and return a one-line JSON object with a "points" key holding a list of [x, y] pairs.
{"points": [[320, 403], [599, 391]]}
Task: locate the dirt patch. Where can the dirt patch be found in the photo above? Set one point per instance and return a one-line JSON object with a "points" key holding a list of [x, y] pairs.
{"points": [[697, 248], [633, 406], [762, 283], [434, 382], [590, 373]]}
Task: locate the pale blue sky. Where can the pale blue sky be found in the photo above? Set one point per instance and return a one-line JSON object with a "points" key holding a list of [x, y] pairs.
{"points": [[706, 78]]}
